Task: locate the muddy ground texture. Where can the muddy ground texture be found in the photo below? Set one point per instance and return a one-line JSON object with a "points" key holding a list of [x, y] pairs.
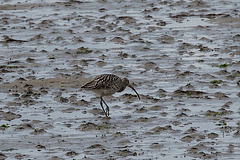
{"points": [[182, 56]]}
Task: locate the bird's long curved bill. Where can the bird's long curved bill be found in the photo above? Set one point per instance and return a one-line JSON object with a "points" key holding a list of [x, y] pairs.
{"points": [[134, 91]]}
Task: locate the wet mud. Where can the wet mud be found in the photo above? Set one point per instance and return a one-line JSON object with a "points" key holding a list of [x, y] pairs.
{"points": [[183, 58]]}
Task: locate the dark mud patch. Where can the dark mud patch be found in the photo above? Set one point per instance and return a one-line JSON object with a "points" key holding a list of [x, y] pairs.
{"points": [[92, 126], [189, 93], [23, 85], [9, 116]]}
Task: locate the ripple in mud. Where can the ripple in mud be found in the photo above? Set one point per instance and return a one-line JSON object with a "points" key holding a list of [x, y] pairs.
{"points": [[24, 126], [71, 153], [81, 102], [96, 111], [213, 135], [202, 151], [142, 119], [192, 137], [220, 112], [92, 126], [189, 93], [156, 146], [124, 142], [9, 116], [158, 129], [38, 131], [56, 158], [157, 108], [70, 110], [94, 146], [125, 153], [220, 95], [141, 110]]}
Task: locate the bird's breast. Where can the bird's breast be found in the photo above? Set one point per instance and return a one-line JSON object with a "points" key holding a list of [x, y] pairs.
{"points": [[121, 89]]}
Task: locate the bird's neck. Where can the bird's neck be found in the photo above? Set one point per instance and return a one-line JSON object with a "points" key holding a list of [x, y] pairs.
{"points": [[121, 89]]}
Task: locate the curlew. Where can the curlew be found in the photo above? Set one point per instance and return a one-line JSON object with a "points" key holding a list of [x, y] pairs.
{"points": [[107, 85]]}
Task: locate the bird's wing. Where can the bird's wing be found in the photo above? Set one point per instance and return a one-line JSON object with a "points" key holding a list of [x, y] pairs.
{"points": [[104, 81], [107, 81]]}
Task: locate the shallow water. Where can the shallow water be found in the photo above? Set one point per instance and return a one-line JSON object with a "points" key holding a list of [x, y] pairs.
{"points": [[181, 56]]}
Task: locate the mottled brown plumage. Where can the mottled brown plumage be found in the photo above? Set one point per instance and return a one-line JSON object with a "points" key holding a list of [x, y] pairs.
{"points": [[106, 85]]}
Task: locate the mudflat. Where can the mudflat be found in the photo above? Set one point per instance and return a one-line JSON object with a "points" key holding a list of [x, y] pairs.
{"points": [[183, 58]]}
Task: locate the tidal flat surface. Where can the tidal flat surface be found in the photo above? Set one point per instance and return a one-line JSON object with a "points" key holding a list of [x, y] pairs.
{"points": [[182, 56]]}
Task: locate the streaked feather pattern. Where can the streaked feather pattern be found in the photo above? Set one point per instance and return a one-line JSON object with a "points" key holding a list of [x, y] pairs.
{"points": [[105, 81]]}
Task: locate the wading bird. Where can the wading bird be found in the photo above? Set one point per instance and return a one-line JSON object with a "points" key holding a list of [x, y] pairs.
{"points": [[107, 85]]}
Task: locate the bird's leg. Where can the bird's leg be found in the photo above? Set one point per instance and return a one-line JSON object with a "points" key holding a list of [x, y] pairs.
{"points": [[107, 111], [103, 107], [107, 108]]}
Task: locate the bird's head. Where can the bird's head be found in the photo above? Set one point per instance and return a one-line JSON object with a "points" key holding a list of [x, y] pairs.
{"points": [[126, 83]]}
